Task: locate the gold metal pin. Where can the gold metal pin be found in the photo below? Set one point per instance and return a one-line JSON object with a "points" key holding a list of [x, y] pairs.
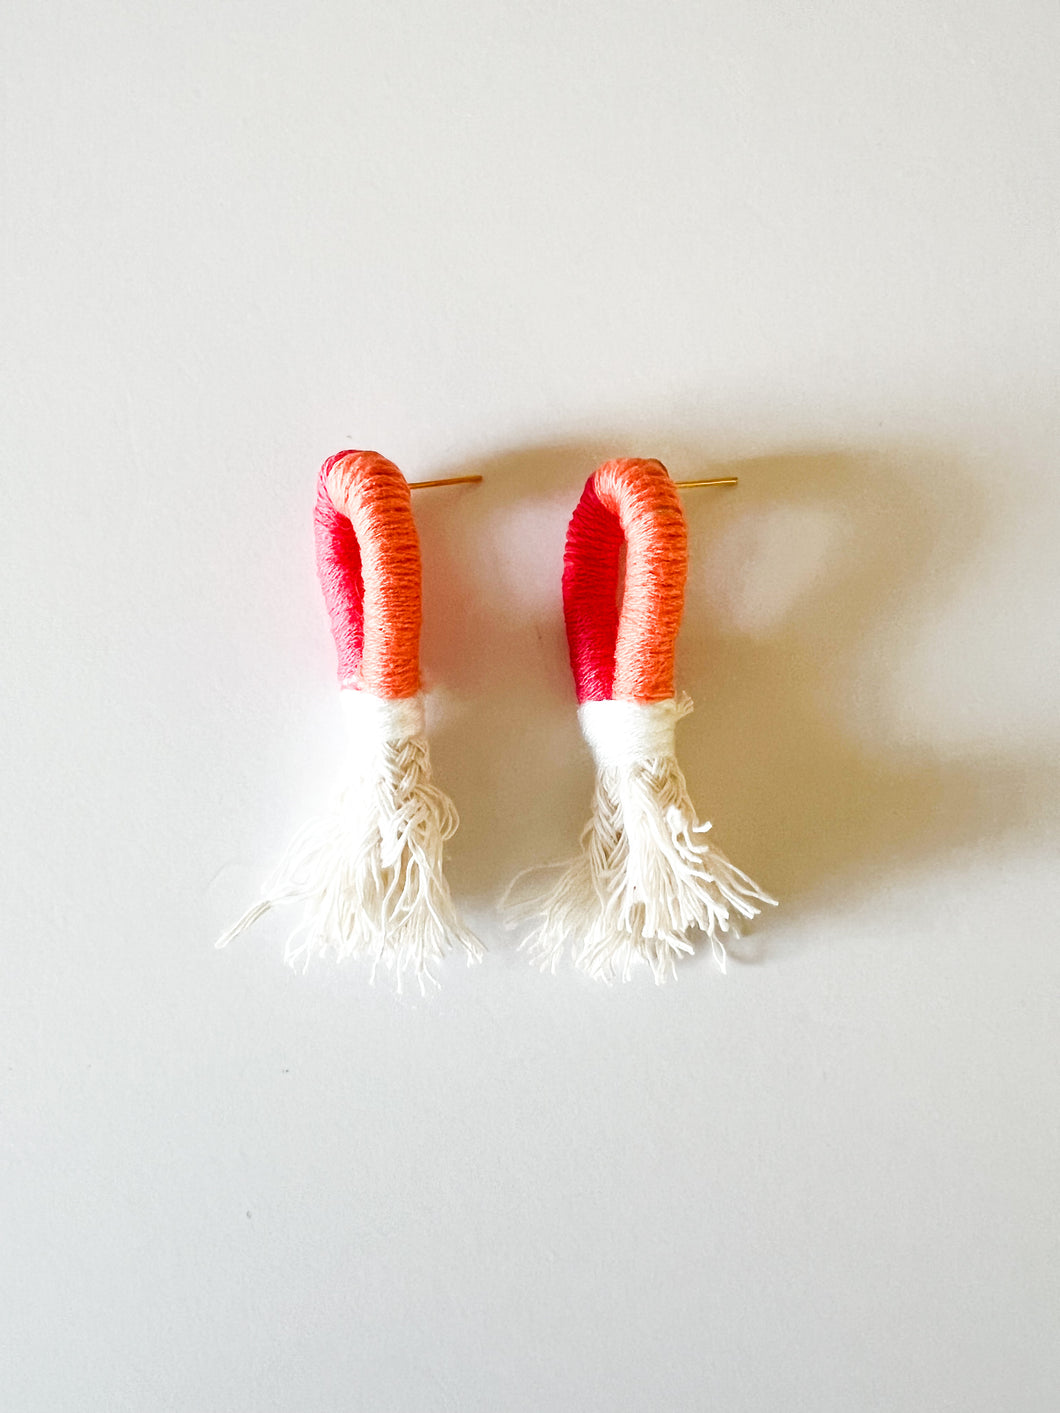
{"points": [[446, 481], [715, 481]]}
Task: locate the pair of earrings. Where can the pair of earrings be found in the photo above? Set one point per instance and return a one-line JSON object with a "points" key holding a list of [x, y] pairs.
{"points": [[369, 871]]}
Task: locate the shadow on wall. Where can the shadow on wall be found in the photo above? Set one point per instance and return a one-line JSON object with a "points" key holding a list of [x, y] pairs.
{"points": [[806, 586]]}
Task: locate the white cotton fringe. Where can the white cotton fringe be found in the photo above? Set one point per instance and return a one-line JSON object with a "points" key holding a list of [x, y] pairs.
{"points": [[369, 871], [646, 879]]}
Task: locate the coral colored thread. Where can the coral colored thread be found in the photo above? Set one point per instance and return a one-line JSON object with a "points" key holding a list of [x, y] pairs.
{"points": [[625, 655], [368, 560]]}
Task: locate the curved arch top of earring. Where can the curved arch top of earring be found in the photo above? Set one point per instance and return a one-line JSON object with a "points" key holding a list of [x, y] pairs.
{"points": [[625, 652], [368, 561]]}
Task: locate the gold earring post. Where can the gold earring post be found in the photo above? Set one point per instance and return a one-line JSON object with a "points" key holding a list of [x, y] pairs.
{"points": [[445, 481], [475, 480]]}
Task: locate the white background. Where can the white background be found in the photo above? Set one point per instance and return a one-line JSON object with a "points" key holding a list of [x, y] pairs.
{"points": [[815, 245]]}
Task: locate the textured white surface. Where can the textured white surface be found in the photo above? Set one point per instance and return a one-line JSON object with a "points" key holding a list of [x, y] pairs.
{"points": [[815, 245], [621, 733]]}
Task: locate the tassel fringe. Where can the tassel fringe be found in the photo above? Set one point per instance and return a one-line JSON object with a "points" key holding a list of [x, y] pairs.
{"points": [[369, 871], [646, 878]]}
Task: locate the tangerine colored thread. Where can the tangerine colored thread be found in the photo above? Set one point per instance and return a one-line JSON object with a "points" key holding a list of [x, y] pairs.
{"points": [[368, 560], [627, 655]]}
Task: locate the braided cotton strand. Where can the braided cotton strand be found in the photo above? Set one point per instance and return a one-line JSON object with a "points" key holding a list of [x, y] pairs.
{"points": [[646, 878], [369, 870]]}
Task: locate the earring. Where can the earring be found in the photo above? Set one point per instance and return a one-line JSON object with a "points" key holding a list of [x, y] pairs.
{"points": [[369, 871], [646, 877]]}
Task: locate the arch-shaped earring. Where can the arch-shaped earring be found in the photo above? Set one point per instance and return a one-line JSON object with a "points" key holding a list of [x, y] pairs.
{"points": [[369, 870], [646, 879]]}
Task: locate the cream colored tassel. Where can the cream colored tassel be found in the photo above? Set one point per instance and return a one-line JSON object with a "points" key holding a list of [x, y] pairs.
{"points": [[369, 871], [647, 879]]}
